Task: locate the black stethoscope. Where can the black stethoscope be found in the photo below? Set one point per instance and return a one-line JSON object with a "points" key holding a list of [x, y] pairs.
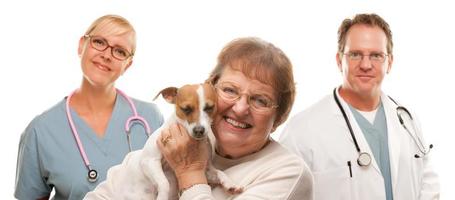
{"points": [[364, 158], [92, 175], [403, 113]]}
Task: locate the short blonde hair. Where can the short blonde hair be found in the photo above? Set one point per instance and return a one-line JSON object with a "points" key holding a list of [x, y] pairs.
{"points": [[113, 25]]}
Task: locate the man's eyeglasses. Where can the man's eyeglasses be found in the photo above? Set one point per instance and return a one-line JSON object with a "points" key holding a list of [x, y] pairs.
{"points": [[374, 57], [230, 93], [101, 44]]}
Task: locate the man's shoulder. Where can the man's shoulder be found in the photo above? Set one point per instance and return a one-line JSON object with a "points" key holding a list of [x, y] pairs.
{"points": [[319, 110], [283, 157]]}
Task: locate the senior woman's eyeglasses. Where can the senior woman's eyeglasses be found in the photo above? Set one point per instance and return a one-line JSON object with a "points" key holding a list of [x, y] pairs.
{"points": [[230, 93], [99, 43]]}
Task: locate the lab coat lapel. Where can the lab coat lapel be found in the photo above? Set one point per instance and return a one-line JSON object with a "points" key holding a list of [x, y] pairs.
{"points": [[394, 137]]}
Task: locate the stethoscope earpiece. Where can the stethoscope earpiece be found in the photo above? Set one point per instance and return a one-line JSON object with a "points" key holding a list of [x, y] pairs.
{"points": [[418, 142], [424, 152]]}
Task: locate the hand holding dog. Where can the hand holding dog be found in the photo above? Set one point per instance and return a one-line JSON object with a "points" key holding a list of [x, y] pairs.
{"points": [[187, 157]]}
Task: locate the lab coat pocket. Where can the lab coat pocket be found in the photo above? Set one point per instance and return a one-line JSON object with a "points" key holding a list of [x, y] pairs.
{"points": [[335, 183]]}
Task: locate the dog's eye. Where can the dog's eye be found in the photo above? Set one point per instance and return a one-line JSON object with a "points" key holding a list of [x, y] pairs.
{"points": [[208, 109], [187, 110]]}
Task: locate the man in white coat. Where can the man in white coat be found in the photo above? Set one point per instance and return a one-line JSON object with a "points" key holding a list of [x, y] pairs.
{"points": [[352, 139]]}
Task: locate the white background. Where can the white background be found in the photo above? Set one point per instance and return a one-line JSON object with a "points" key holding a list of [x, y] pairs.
{"points": [[178, 42]]}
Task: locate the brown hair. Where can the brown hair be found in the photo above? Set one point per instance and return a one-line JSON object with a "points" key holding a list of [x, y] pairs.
{"points": [[365, 19], [115, 25], [260, 60]]}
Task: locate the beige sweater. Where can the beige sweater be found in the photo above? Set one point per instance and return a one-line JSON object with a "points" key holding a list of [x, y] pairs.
{"points": [[272, 173]]}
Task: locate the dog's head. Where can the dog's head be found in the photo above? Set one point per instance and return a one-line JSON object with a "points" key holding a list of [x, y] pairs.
{"points": [[195, 107]]}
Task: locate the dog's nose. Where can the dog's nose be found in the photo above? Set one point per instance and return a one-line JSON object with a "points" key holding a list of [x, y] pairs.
{"points": [[198, 131]]}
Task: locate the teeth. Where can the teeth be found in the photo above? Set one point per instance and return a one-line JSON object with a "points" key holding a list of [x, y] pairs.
{"points": [[236, 123]]}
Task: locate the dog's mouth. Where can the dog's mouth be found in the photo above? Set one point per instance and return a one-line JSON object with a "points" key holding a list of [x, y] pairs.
{"points": [[237, 124], [198, 136]]}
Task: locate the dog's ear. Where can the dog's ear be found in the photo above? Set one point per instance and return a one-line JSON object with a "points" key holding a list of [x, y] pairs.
{"points": [[212, 80], [168, 94]]}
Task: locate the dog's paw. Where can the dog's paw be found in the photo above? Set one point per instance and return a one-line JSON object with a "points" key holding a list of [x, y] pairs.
{"points": [[235, 190]]}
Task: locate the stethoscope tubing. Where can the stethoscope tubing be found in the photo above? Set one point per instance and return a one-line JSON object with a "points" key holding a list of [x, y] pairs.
{"points": [[75, 133], [418, 142], [92, 175], [346, 120], [135, 116], [364, 158]]}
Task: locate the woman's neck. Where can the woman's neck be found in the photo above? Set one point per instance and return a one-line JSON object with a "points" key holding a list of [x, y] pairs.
{"points": [[94, 106], [91, 99], [236, 153]]}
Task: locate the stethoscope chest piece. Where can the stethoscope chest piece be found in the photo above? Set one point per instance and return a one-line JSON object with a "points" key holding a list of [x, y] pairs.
{"points": [[92, 176], [364, 159]]}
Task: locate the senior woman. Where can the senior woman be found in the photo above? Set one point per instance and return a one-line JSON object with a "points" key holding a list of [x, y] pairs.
{"points": [[255, 88]]}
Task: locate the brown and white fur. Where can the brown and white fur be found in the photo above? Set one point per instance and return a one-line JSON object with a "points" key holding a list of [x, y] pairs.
{"points": [[141, 175]]}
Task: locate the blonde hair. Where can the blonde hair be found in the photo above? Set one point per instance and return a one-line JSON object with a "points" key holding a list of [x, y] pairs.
{"points": [[113, 25]]}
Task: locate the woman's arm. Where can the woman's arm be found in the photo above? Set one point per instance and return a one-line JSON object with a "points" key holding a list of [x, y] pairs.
{"points": [[29, 179]]}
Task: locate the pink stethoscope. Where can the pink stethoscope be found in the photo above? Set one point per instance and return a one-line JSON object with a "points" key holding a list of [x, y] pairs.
{"points": [[92, 173]]}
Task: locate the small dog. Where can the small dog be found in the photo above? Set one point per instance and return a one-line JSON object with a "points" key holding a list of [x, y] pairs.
{"points": [[141, 174]]}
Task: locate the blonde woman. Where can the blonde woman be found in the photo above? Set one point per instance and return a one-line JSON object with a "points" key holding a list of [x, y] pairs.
{"points": [[70, 146]]}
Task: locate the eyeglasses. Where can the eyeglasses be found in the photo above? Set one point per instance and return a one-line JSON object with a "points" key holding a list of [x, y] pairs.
{"points": [[230, 93], [101, 44], [378, 58]]}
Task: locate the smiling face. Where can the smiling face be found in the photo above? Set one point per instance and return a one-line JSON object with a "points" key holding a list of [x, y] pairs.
{"points": [[364, 77], [100, 68], [239, 129]]}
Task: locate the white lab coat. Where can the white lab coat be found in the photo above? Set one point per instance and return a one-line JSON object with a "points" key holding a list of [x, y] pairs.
{"points": [[320, 135]]}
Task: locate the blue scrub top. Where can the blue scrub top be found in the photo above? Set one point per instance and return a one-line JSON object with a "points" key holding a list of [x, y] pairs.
{"points": [[376, 135], [49, 158]]}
